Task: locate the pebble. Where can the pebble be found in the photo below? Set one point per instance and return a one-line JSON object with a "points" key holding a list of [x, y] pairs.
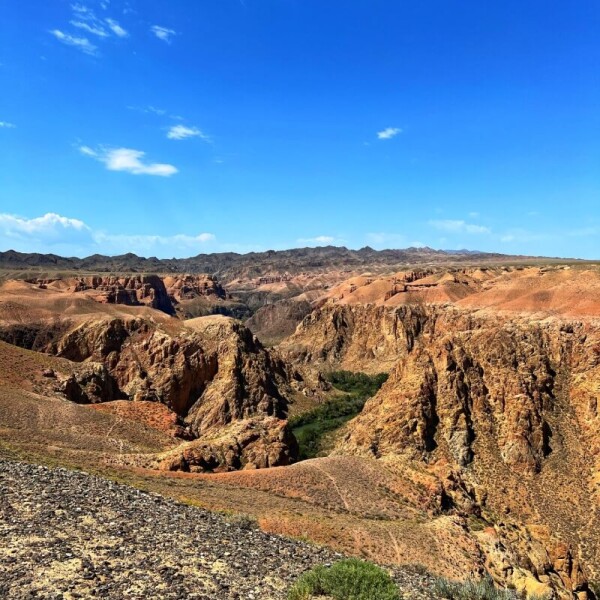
{"points": [[92, 538]]}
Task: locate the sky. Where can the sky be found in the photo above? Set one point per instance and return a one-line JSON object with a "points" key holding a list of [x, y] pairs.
{"points": [[175, 128]]}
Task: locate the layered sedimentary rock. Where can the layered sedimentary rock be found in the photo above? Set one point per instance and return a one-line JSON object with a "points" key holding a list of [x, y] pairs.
{"points": [[134, 290], [188, 287], [173, 294], [274, 322], [501, 406], [356, 337], [244, 444], [209, 371]]}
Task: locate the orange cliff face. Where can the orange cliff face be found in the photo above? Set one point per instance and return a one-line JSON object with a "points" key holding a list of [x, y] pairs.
{"points": [[210, 372], [494, 387], [161, 293], [481, 451]]}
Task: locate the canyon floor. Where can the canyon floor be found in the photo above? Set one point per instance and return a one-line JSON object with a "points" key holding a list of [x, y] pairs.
{"points": [[478, 455]]}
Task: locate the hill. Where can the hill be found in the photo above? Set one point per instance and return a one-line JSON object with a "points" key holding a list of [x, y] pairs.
{"points": [[230, 265]]}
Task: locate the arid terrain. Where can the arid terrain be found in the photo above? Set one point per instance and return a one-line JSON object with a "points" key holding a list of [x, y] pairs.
{"points": [[479, 454]]}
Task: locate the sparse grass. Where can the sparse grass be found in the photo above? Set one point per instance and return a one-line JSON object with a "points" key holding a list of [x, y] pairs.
{"points": [[477, 523], [350, 579], [471, 589], [311, 427]]}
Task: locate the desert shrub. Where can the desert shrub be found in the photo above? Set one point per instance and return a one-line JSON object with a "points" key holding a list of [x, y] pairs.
{"points": [[471, 589], [242, 521], [350, 579], [358, 384], [476, 523], [310, 427]]}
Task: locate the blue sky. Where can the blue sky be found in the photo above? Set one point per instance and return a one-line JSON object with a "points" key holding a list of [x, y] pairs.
{"points": [[180, 127]]}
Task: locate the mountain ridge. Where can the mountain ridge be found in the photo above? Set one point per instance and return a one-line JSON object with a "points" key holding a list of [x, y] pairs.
{"points": [[229, 265]]}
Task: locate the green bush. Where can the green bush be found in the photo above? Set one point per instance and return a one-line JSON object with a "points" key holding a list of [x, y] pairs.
{"points": [[350, 579], [472, 589], [310, 427], [359, 384]]}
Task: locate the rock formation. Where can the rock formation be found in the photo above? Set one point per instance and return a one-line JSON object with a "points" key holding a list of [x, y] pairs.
{"points": [[274, 322], [209, 371], [135, 290], [244, 444], [502, 406]]}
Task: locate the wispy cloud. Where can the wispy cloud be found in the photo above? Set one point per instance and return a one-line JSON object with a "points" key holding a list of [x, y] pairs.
{"points": [[180, 243], [180, 132], [388, 133], [53, 232], [7, 125], [391, 240], [321, 240], [458, 226], [116, 28], [80, 43], [90, 28], [85, 19], [149, 109], [163, 33], [80, 9], [128, 160]]}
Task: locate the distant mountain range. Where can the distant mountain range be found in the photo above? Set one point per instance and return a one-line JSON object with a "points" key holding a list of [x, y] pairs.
{"points": [[231, 265]]}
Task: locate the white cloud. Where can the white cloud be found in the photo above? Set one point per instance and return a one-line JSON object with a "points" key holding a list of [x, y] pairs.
{"points": [[116, 28], [80, 43], [391, 240], [388, 133], [524, 236], [39, 225], [90, 28], [149, 109], [85, 19], [147, 245], [163, 33], [7, 125], [81, 9], [180, 132], [321, 240], [55, 233], [458, 226], [128, 160], [87, 151]]}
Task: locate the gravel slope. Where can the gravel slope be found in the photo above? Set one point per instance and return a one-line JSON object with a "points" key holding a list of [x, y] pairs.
{"points": [[67, 534]]}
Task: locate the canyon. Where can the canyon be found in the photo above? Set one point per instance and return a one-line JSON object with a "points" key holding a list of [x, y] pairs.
{"points": [[479, 454]]}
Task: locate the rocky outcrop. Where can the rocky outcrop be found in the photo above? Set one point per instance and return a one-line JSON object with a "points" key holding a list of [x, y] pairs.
{"points": [[188, 287], [246, 444], [211, 372], [274, 322], [356, 337], [90, 384], [505, 406], [173, 294], [135, 290]]}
